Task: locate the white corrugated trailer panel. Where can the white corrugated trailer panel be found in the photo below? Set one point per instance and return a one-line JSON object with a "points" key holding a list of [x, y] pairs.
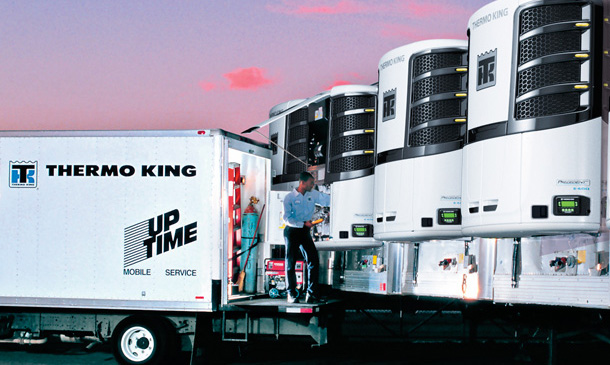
{"points": [[64, 240]]}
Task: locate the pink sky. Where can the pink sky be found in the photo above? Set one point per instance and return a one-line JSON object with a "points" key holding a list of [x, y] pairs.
{"points": [[91, 64]]}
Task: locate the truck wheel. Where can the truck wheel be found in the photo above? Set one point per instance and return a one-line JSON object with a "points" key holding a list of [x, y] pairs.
{"points": [[140, 342]]}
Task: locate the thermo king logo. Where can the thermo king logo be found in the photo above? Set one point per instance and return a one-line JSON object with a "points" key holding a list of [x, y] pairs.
{"points": [[156, 236], [389, 105], [486, 69], [23, 174]]}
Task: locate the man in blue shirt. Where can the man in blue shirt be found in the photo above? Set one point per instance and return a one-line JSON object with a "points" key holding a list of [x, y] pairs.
{"points": [[299, 206]]}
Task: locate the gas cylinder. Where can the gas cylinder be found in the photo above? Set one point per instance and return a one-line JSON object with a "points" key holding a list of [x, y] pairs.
{"points": [[248, 227]]}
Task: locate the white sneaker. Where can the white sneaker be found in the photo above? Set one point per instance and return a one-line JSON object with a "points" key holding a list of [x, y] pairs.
{"points": [[292, 300]]}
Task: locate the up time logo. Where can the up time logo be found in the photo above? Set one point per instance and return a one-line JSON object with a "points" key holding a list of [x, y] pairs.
{"points": [[23, 174], [156, 236]]}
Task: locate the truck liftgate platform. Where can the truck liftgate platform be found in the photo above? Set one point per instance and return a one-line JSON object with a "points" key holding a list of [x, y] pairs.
{"points": [[266, 316]]}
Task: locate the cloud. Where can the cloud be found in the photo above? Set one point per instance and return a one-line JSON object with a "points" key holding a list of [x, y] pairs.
{"points": [[207, 86], [341, 7], [337, 83], [357, 76], [342, 80], [251, 78]]}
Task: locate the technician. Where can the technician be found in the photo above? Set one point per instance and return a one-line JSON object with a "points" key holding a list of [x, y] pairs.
{"points": [[299, 206]]}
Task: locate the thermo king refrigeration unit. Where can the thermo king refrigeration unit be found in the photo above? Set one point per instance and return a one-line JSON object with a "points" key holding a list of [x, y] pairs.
{"points": [[350, 164], [332, 136], [420, 133], [533, 158], [291, 134]]}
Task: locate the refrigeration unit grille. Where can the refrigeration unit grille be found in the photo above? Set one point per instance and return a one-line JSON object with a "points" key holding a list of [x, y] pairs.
{"points": [[345, 103], [545, 75], [351, 163], [299, 132], [543, 87], [353, 121], [437, 104], [299, 150], [297, 117], [351, 143], [435, 110], [435, 135], [543, 15], [295, 167], [297, 143], [549, 43], [548, 105], [434, 61], [436, 85], [352, 140]]}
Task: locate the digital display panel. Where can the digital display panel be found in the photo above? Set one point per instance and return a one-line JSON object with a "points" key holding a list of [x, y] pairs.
{"points": [[571, 205], [449, 216], [362, 230], [567, 204]]}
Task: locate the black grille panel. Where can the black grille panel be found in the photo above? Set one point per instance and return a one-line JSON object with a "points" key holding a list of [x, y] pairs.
{"points": [[548, 105], [345, 103], [556, 73], [295, 167], [351, 163], [545, 75], [296, 117], [354, 142], [434, 135], [441, 86], [298, 132], [537, 17], [350, 143], [547, 44], [298, 149], [436, 85], [435, 110], [434, 61], [351, 122]]}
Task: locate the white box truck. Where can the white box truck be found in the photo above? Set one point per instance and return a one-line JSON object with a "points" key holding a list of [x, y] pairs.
{"points": [[123, 236]]}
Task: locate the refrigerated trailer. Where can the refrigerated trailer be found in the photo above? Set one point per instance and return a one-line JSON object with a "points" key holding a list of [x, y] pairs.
{"points": [[133, 238]]}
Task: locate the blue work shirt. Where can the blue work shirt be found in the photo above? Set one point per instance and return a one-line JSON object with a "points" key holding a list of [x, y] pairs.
{"points": [[299, 208]]}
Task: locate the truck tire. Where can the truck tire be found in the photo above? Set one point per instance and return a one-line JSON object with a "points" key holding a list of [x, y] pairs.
{"points": [[141, 341]]}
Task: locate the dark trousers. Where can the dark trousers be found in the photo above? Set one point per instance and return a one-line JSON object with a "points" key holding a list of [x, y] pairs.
{"points": [[300, 238]]}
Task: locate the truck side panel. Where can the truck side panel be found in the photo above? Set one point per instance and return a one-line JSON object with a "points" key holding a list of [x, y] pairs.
{"points": [[109, 222]]}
